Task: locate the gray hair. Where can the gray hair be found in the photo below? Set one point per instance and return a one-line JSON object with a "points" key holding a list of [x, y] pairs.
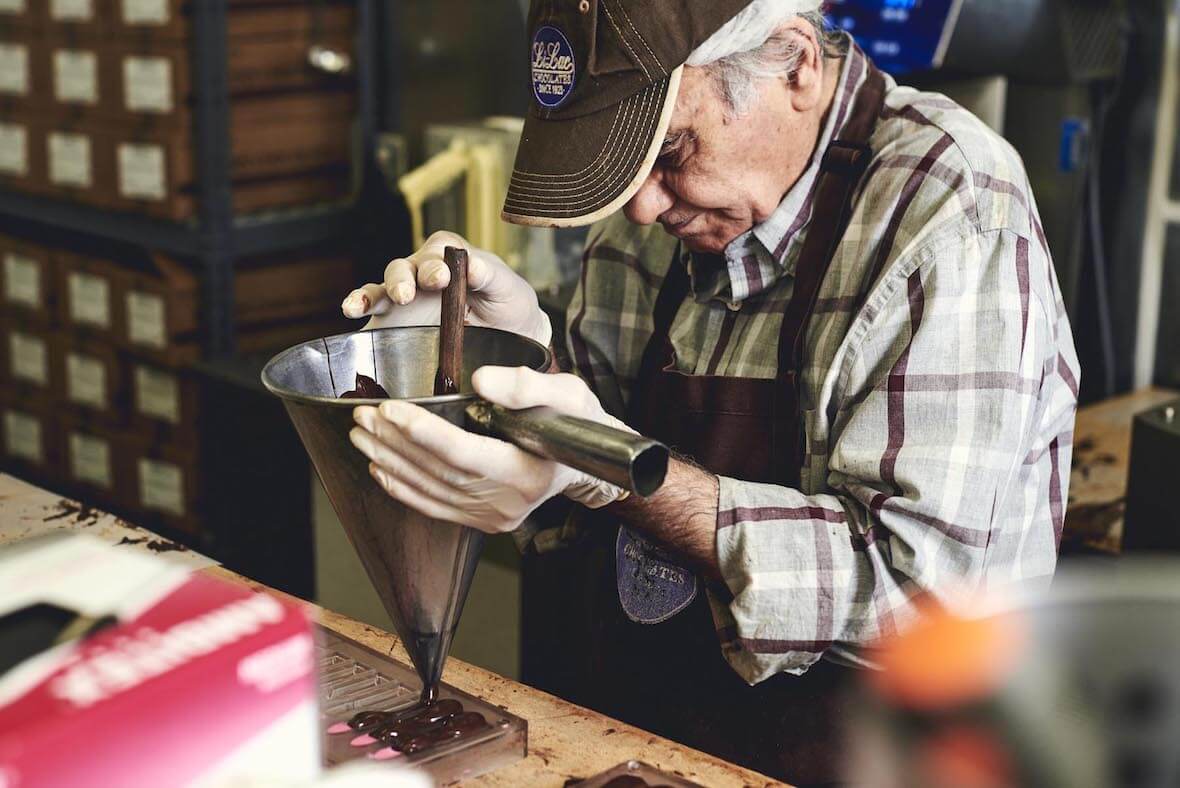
{"points": [[755, 45]]}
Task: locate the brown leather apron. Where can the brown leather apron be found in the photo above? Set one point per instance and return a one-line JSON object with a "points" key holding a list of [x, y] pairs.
{"points": [[670, 677]]}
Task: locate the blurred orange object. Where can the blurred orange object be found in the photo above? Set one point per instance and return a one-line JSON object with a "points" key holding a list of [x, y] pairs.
{"points": [[947, 661]]}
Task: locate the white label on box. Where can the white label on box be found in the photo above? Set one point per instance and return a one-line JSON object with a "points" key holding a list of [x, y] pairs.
{"points": [[86, 381], [147, 84], [71, 10], [146, 320], [22, 280], [14, 69], [161, 486], [69, 159], [75, 76], [12, 7], [28, 358], [90, 459], [22, 436], [157, 394], [145, 12], [90, 299], [141, 171], [14, 149]]}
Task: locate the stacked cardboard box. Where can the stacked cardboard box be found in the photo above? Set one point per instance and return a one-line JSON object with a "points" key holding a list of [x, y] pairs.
{"points": [[97, 397], [96, 103]]}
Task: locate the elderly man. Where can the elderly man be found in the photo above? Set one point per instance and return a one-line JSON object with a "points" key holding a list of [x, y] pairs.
{"points": [[846, 324]]}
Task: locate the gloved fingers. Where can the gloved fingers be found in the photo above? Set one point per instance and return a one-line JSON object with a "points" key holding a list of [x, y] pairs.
{"points": [[366, 300], [400, 276], [488, 501], [389, 459], [480, 273], [433, 273], [395, 436], [440, 240], [395, 452], [453, 446], [425, 504], [517, 388], [402, 452], [422, 311]]}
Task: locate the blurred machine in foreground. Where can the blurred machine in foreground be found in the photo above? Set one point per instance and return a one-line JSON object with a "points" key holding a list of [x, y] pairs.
{"points": [[1079, 687]]}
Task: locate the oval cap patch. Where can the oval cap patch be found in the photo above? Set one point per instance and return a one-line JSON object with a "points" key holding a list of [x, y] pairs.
{"points": [[554, 72]]}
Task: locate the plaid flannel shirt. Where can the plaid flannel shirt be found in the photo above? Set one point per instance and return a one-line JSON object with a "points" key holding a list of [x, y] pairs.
{"points": [[939, 386]]}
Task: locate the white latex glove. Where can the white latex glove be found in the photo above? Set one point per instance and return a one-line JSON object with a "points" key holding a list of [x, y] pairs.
{"points": [[445, 472], [411, 295]]}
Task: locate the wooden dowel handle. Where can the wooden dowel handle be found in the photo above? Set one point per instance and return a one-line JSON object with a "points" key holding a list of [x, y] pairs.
{"points": [[454, 311]]}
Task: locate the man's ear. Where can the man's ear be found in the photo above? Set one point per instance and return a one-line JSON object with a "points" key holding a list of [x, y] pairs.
{"points": [[807, 80]]}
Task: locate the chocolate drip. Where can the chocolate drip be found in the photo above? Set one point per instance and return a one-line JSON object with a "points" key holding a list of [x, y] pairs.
{"points": [[366, 388]]}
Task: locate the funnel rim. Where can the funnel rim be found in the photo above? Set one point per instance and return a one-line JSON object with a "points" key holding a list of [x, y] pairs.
{"points": [[292, 395]]}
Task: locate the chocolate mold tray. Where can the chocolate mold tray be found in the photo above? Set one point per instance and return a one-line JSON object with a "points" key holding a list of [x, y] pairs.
{"points": [[634, 774], [356, 678]]}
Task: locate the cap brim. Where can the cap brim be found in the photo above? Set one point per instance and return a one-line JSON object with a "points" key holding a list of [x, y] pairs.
{"points": [[576, 171]]}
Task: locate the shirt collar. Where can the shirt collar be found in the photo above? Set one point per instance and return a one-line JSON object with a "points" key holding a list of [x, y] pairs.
{"points": [[757, 259]]}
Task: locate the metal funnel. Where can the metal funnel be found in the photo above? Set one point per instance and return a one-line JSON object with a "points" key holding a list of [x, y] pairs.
{"points": [[421, 567]]}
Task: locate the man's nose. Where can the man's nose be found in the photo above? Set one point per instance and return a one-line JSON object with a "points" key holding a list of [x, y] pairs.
{"points": [[652, 201]]}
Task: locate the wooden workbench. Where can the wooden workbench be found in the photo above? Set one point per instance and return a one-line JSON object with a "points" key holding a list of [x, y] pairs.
{"points": [[566, 742], [1098, 483]]}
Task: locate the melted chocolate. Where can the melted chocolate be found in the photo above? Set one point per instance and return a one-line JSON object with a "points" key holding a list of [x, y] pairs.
{"points": [[366, 388], [420, 727], [625, 781], [367, 720], [456, 727]]}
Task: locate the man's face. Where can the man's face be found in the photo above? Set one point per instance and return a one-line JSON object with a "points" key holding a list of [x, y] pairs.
{"points": [[719, 176]]}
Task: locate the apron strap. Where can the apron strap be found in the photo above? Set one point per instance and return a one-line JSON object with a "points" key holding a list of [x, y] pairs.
{"points": [[658, 352], [841, 170]]}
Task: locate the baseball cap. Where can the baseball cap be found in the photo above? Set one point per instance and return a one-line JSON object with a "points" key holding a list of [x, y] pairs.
{"points": [[605, 75]]}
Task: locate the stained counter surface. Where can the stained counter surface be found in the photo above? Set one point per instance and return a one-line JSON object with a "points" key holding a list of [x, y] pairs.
{"points": [[566, 742]]}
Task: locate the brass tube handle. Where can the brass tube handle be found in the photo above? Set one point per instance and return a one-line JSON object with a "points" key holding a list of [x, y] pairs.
{"points": [[622, 458]]}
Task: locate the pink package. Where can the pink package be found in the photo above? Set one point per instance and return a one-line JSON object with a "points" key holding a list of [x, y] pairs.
{"points": [[185, 679]]}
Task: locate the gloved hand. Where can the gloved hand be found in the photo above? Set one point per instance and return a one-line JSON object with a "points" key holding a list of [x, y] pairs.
{"points": [[411, 294], [445, 472]]}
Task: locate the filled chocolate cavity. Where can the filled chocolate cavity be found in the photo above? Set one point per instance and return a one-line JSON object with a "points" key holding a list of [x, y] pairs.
{"points": [[365, 721], [366, 388], [420, 727]]}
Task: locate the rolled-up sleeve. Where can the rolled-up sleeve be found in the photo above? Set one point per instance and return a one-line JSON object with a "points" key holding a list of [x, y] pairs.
{"points": [[947, 457]]}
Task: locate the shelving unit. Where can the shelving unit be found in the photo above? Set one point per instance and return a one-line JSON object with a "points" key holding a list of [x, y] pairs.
{"points": [[217, 239]]}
